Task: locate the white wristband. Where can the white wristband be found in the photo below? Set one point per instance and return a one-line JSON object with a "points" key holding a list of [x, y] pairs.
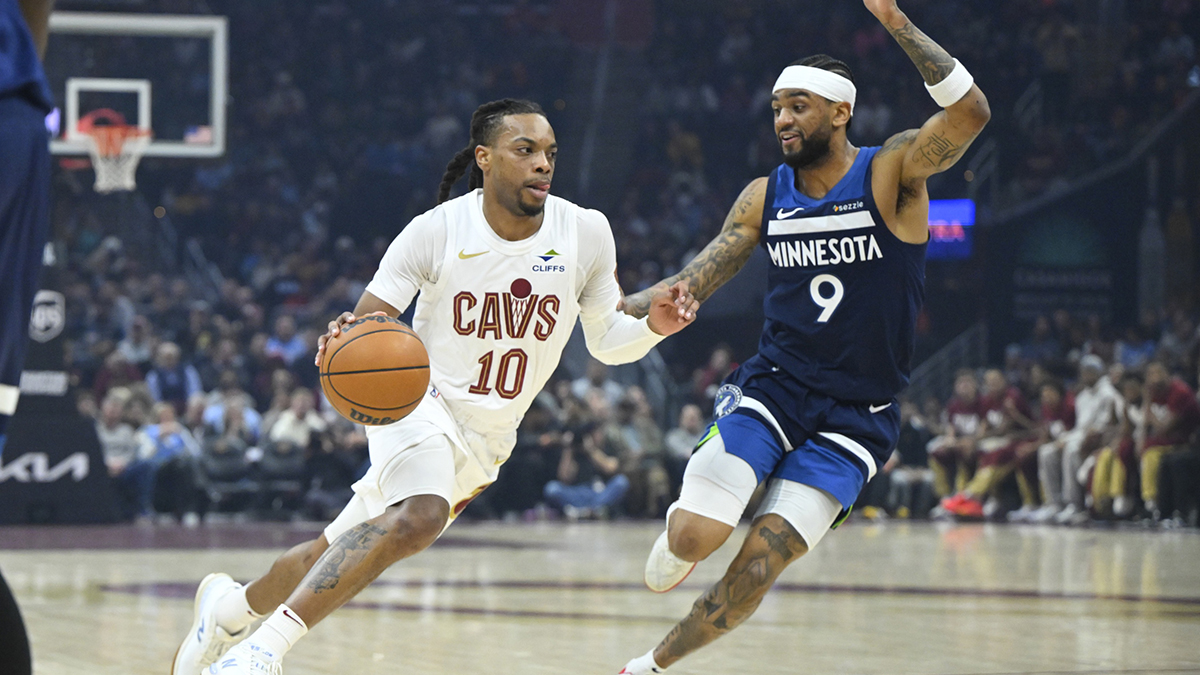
{"points": [[951, 90]]}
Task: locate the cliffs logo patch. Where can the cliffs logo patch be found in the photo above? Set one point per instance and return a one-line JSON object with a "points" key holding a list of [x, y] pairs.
{"points": [[547, 264], [728, 398], [49, 316]]}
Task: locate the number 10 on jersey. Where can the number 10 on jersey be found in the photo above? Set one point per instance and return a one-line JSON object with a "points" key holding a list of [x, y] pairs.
{"points": [[510, 374]]}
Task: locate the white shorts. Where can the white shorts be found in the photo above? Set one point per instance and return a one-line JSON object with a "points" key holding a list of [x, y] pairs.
{"points": [[426, 453], [718, 486]]}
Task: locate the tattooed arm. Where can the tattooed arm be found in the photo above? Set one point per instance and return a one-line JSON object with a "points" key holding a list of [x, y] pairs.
{"points": [[910, 157], [720, 260], [942, 139]]}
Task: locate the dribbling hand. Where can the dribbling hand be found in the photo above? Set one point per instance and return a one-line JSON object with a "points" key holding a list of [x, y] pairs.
{"points": [[335, 329]]}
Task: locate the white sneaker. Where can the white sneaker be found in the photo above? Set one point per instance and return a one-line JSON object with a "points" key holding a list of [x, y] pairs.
{"points": [[206, 641], [1067, 515], [247, 659], [1122, 506], [665, 570], [1045, 514], [1022, 515]]}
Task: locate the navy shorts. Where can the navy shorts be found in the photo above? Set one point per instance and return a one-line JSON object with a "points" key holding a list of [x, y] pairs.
{"points": [[24, 223], [783, 429]]}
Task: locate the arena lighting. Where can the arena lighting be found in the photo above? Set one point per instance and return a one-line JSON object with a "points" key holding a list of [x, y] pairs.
{"points": [[950, 224]]}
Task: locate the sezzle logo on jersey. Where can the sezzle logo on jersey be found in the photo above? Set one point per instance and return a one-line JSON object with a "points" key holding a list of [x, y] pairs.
{"points": [[848, 206]]}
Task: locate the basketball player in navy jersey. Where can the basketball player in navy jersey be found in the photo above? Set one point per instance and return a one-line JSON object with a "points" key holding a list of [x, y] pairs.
{"points": [[814, 412], [24, 221]]}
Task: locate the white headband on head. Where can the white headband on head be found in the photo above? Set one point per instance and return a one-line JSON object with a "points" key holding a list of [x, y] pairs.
{"points": [[820, 82]]}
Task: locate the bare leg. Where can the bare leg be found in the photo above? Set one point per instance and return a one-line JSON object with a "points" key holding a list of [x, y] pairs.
{"points": [[273, 588], [769, 548], [363, 552]]}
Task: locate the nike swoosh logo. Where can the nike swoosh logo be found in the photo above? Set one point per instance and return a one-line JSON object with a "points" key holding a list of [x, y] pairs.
{"points": [[463, 255], [289, 615], [879, 408], [787, 214]]}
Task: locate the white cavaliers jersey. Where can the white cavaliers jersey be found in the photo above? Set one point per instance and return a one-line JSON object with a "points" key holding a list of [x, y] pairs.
{"points": [[495, 315]]}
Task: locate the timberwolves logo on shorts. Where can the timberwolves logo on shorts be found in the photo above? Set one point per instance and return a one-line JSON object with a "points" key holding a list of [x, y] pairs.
{"points": [[729, 397], [48, 317]]}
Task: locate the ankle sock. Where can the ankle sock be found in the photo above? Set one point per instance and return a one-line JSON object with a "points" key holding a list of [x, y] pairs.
{"points": [[234, 612], [280, 632]]}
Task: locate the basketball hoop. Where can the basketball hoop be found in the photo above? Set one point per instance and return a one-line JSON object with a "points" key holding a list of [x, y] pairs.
{"points": [[115, 148]]}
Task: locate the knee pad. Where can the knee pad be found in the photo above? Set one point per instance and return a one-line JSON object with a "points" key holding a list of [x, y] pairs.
{"points": [[716, 484]]}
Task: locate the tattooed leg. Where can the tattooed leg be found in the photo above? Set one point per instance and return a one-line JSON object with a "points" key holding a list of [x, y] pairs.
{"points": [[363, 552], [769, 548], [273, 588]]}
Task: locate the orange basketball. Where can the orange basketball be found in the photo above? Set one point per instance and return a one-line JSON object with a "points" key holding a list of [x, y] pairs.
{"points": [[376, 371]]}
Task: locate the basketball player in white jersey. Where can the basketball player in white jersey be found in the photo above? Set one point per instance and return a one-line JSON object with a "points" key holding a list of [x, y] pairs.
{"points": [[502, 272]]}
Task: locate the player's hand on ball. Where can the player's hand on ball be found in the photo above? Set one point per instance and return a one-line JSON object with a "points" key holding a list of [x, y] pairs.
{"points": [[672, 310], [335, 329]]}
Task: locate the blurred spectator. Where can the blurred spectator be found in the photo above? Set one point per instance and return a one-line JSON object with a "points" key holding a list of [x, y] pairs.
{"points": [[680, 442], [174, 452], [1116, 468], [229, 396], [642, 461], [1098, 409], [1172, 414], [138, 345], [1006, 421], [706, 380], [117, 372], [285, 343], [911, 480], [133, 476], [588, 482], [952, 453], [171, 380], [297, 427], [597, 379]]}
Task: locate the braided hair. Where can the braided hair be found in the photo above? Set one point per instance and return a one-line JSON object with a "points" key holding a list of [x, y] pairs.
{"points": [[485, 122], [827, 62]]}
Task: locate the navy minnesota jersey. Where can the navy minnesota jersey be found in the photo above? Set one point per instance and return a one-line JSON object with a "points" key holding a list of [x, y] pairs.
{"points": [[843, 292], [20, 69]]}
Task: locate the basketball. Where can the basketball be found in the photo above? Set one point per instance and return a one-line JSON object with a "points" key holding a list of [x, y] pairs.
{"points": [[375, 371]]}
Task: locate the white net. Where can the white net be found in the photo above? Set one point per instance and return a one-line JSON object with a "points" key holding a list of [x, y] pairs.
{"points": [[116, 151], [518, 306]]}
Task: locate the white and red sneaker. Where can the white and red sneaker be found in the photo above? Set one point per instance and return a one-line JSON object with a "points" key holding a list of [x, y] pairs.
{"points": [[664, 569]]}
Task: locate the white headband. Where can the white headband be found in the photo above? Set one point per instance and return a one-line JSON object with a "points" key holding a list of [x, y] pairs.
{"points": [[820, 82]]}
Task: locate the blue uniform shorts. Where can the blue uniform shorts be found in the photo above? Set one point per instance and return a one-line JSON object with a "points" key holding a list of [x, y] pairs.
{"points": [[783, 429], [24, 224]]}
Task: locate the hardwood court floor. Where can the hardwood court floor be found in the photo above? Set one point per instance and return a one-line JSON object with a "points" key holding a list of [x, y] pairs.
{"points": [[555, 598]]}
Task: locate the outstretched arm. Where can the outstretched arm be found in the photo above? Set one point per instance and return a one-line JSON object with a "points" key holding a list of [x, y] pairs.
{"points": [[720, 260], [941, 141]]}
